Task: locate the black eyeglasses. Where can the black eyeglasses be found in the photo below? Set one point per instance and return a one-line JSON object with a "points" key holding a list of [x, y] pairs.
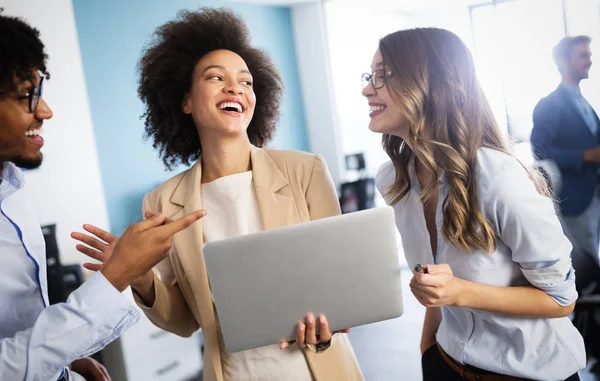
{"points": [[377, 78], [34, 95]]}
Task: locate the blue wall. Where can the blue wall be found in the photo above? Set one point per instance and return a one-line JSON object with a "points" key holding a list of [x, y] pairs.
{"points": [[111, 36]]}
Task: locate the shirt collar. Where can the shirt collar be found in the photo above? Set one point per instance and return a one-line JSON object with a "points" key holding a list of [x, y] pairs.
{"points": [[412, 174], [573, 90], [12, 179]]}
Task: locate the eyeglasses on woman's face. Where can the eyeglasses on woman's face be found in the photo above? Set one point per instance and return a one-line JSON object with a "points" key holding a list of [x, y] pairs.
{"points": [[377, 78]]}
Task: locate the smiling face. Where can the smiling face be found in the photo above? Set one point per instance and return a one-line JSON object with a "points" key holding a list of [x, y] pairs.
{"points": [[387, 116], [20, 140], [221, 98]]}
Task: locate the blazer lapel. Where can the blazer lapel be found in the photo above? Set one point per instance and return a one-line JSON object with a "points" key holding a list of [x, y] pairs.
{"points": [[567, 98], [190, 241], [273, 194]]}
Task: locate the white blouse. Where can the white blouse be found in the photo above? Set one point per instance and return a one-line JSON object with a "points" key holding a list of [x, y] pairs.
{"points": [[233, 211], [531, 250]]}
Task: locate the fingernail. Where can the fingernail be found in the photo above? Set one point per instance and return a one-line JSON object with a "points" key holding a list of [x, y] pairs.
{"points": [[310, 318], [322, 319], [301, 328], [158, 215]]}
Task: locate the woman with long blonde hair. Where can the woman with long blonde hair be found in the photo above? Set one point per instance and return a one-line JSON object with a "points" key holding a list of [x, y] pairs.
{"points": [[496, 274]]}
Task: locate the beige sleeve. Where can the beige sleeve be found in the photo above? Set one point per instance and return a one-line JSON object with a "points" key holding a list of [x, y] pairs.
{"points": [[321, 196], [170, 310]]}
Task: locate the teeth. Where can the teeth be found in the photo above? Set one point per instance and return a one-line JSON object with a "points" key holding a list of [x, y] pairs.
{"points": [[224, 105], [377, 108], [35, 132]]}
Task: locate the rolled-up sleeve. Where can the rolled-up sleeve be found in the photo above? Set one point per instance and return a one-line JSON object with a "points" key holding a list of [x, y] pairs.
{"points": [[528, 225], [557, 280]]}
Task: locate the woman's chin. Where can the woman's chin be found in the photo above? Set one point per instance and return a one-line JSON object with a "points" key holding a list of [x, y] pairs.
{"points": [[233, 131], [373, 127], [377, 128]]}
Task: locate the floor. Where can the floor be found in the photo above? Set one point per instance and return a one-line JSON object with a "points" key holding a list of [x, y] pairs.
{"points": [[389, 350]]}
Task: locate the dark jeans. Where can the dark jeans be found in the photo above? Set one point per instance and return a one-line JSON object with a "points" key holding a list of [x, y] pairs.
{"points": [[435, 368]]}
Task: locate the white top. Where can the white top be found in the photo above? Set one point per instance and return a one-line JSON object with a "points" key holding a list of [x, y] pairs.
{"points": [[38, 341], [233, 211], [531, 249]]}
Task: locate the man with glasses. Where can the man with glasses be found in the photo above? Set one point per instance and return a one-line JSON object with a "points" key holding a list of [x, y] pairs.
{"points": [[37, 341]]}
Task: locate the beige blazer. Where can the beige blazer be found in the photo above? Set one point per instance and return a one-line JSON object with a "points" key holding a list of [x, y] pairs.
{"points": [[291, 187]]}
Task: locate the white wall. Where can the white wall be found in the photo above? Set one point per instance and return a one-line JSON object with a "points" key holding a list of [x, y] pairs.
{"points": [[322, 120], [353, 32], [67, 189]]}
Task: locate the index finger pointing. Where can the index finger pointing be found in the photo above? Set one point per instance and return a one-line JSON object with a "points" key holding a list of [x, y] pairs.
{"points": [[150, 214], [156, 220], [169, 229]]}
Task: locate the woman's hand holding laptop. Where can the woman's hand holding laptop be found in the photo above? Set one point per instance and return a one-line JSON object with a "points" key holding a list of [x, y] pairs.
{"points": [[306, 332]]}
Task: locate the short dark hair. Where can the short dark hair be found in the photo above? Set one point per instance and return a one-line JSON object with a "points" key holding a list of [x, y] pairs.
{"points": [[166, 69], [21, 51], [564, 49]]}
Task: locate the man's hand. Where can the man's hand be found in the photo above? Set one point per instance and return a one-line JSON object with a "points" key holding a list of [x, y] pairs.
{"points": [[100, 245], [90, 369], [142, 246]]}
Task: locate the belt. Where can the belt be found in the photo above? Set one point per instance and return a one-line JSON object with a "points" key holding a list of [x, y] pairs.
{"points": [[472, 373]]}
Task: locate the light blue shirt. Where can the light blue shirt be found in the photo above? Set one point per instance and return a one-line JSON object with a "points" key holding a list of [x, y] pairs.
{"points": [[38, 341], [583, 107], [531, 249]]}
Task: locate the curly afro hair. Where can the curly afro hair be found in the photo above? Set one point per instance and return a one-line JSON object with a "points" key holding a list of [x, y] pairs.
{"points": [[166, 69], [21, 51]]}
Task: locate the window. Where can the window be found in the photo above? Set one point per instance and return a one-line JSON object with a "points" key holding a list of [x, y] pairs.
{"points": [[513, 42]]}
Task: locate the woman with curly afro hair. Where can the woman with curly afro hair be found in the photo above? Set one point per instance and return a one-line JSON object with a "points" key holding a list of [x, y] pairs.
{"points": [[213, 100]]}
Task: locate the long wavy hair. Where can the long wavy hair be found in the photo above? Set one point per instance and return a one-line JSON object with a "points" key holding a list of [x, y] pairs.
{"points": [[448, 118]]}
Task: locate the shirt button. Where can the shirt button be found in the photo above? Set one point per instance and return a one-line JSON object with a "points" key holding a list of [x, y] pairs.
{"points": [[461, 346], [468, 313]]}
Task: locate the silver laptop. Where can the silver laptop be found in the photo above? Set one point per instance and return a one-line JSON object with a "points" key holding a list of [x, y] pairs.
{"points": [[345, 267]]}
